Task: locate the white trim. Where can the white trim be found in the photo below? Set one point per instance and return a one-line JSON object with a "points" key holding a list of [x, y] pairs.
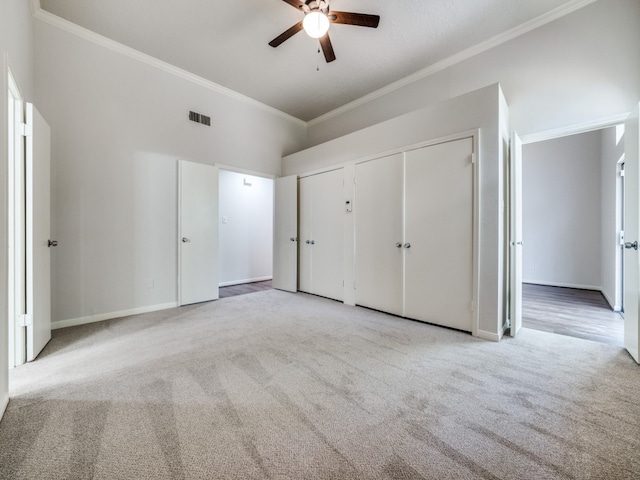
{"points": [[575, 129], [563, 285], [3, 406], [72, 322], [499, 39], [614, 307], [241, 282], [35, 7], [492, 337], [105, 42]]}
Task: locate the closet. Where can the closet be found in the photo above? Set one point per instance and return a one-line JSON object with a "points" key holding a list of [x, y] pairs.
{"points": [[414, 234], [320, 236]]}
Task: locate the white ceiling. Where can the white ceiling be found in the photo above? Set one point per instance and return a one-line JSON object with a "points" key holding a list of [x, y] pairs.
{"points": [[226, 41]]}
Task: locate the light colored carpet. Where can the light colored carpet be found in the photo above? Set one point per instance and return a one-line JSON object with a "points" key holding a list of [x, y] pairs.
{"points": [[279, 385]]}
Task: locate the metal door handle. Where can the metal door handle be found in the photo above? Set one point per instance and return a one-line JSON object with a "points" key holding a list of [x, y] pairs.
{"points": [[307, 242], [185, 239], [398, 245], [52, 243], [293, 239], [633, 245], [407, 245]]}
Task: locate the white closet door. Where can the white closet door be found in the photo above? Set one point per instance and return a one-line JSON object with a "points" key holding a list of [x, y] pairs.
{"points": [[439, 230], [305, 203], [378, 213], [327, 225], [38, 223], [632, 235], [285, 234], [198, 241]]}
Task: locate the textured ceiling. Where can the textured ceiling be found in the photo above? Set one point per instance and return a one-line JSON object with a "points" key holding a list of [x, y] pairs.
{"points": [[226, 42]]}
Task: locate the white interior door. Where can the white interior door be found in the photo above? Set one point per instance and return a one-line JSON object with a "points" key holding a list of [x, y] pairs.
{"points": [[379, 218], [198, 232], [305, 202], [632, 235], [327, 234], [439, 234], [38, 222], [285, 234], [515, 233]]}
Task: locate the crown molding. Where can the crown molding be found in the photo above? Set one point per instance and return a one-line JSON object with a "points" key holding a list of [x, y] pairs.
{"points": [[515, 32], [81, 32]]}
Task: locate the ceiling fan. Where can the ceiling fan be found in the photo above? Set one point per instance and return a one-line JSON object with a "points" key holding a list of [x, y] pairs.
{"points": [[316, 22]]}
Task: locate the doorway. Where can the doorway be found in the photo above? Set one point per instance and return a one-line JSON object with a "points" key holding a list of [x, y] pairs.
{"points": [[573, 212]]}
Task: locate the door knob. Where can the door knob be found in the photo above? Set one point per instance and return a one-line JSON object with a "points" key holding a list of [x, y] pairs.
{"points": [[52, 243], [185, 239], [398, 245], [293, 239], [633, 245], [407, 245], [308, 242], [312, 242]]}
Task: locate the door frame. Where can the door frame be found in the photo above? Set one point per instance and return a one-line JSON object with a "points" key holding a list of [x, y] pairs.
{"points": [[16, 218], [559, 133]]}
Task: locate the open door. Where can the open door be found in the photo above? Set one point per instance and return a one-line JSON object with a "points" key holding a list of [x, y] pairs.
{"points": [[515, 233], [285, 234], [198, 233], [631, 234], [38, 221]]}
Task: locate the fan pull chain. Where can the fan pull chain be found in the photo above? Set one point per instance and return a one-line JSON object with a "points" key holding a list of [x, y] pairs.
{"points": [[318, 64]]}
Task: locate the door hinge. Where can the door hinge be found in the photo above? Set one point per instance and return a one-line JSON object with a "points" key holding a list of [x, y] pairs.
{"points": [[622, 172], [26, 130], [24, 320]]}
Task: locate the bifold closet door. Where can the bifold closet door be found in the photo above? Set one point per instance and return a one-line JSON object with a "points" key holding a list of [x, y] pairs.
{"points": [[321, 234], [305, 212], [439, 229], [378, 234]]}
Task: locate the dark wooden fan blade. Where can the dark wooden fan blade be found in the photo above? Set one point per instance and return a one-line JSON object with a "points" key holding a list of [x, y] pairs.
{"points": [[295, 3], [327, 48], [286, 35], [360, 19]]}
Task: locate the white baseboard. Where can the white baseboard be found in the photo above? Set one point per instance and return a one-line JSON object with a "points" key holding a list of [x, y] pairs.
{"points": [[3, 406], [564, 285], [614, 307], [72, 322], [492, 337], [247, 280]]}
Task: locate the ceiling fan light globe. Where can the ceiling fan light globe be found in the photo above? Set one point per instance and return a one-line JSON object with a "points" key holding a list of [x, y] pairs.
{"points": [[316, 24]]}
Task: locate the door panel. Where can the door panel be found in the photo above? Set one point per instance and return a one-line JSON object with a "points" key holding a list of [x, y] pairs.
{"points": [[515, 234], [439, 228], [305, 196], [378, 225], [327, 226], [198, 232], [632, 234], [38, 223], [285, 233]]}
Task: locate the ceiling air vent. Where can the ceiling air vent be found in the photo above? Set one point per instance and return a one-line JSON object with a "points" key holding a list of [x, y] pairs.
{"points": [[199, 118]]}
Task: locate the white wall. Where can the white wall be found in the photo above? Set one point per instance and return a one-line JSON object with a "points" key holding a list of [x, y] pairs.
{"points": [[246, 228], [561, 207], [16, 48], [118, 126], [579, 68], [482, 110], [612, 149]]}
